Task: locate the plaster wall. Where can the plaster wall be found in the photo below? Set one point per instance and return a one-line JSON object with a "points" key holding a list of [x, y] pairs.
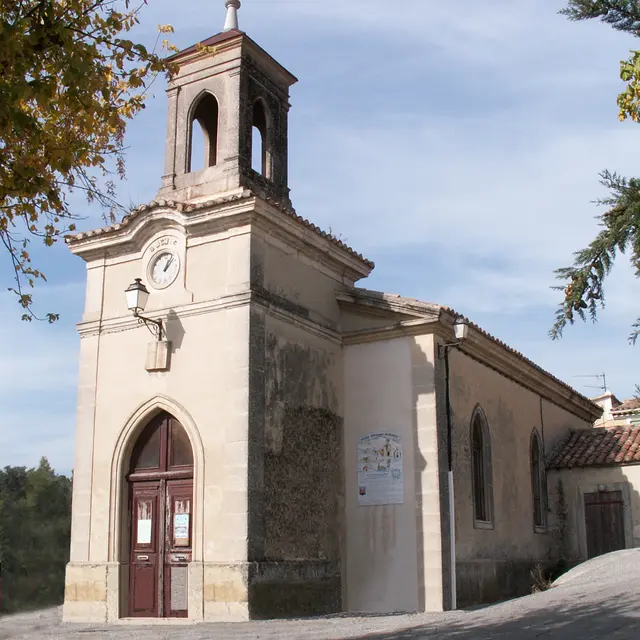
{"points": [[381, 541], [283, 271], [578, 481], [494, 562]]}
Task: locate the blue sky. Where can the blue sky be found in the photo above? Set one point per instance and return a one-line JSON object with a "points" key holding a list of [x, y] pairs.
{"points": [[457, 144]]}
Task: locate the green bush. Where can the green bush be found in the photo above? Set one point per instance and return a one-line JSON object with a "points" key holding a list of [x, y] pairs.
{"points": [[35, 529]]}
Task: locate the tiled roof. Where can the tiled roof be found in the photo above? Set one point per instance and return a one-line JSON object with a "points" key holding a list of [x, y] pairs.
{"points": [[632, 404], [190, 207], [597, 447]]}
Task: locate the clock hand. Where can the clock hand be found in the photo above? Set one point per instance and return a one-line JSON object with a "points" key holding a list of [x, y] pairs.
{"points": [[169, 261]]}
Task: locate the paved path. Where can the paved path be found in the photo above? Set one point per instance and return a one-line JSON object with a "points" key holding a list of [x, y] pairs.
{"points": [[600, 599]]}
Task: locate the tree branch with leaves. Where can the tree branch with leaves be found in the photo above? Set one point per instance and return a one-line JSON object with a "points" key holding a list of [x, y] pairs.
{"points": [[70, 80], [620, 225]]}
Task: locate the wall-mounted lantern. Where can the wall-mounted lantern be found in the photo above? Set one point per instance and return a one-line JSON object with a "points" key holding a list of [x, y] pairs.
{"points": [[460, 331], [137, 295]]}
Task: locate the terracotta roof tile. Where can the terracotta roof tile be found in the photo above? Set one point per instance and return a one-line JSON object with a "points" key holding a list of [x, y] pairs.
{"points": [[597, 447], [628, 405], [190, 207]]}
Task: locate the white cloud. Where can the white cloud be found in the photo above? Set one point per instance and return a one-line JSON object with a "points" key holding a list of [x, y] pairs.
{"points": [[34, 433], [526, 194]]}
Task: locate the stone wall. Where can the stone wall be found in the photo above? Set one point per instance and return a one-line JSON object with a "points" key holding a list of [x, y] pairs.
{"points": [[295, 471], [493, 562]]}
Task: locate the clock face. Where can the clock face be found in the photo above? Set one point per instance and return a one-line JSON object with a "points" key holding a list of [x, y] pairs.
{"points": [[164, 269]]}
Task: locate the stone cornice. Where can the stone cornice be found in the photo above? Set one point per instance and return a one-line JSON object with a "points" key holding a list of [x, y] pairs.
{"points": [[117, 324], [381, 304], [234, 39], [400, 329], [275, 307]]}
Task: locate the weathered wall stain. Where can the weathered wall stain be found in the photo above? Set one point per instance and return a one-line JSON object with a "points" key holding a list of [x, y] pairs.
{"points": [[295, 376], [296, 476], [303, 487]]}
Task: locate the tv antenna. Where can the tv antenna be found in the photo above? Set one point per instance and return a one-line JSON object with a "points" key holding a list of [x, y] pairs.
{"points": [[598, 376]]}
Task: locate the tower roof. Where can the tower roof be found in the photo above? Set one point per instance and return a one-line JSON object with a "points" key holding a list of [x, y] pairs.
{"points": [[232, 38], [218, 38]]}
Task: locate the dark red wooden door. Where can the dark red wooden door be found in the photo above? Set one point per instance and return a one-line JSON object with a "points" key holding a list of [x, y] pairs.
{"points": [[161, 499], [177, 553], [145, 539], [604, 522]]}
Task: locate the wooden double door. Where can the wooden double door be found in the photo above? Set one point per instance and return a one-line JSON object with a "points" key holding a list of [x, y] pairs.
{"points": [[604, 522], [161, 523]]}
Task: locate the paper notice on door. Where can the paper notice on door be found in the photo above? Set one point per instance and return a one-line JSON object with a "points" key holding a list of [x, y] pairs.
{"points": [[181, 529], [144, 532]]}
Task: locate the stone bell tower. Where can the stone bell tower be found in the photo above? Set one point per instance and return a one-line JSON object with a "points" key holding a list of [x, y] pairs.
{"points": [[208, 472], [227, 86]]}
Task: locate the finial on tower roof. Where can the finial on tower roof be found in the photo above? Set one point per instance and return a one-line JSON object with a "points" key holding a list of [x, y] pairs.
{"points": [[232, 15]]}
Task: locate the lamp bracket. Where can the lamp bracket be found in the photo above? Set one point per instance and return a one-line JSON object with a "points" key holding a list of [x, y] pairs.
{"points": [[443, 349], [155, 326]]}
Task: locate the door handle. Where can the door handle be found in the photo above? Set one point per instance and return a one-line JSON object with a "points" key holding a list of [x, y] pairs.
{"points": [[143, 557]]}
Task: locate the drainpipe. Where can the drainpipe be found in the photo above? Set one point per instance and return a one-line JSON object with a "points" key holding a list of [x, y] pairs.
{"points": [[452, 512], [460, 330]]}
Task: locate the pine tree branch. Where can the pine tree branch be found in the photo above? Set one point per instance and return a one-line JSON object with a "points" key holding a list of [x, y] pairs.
{"points": [[623, 15], [584, 280]]}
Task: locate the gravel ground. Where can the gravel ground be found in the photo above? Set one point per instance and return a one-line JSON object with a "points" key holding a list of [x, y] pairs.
{"points": [[595, 600]]}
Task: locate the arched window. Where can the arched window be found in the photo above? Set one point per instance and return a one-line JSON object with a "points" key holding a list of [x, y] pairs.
{"points": [[482, 485], [538, 482], [203, 140], [260, 140], [163, 446]]}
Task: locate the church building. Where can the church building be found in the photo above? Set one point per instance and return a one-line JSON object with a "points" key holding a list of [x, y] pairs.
{"points": [[259, 437]]}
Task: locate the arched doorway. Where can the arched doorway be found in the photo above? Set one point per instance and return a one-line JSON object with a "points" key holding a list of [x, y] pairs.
{"points": [[160, 483]]}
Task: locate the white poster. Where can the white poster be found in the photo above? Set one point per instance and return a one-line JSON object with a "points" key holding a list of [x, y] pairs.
{"points": [[144, 531], [181, 529], [380, 478]]}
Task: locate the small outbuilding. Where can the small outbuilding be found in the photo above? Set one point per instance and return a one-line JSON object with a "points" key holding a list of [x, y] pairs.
{"points": [[594, 478]]}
